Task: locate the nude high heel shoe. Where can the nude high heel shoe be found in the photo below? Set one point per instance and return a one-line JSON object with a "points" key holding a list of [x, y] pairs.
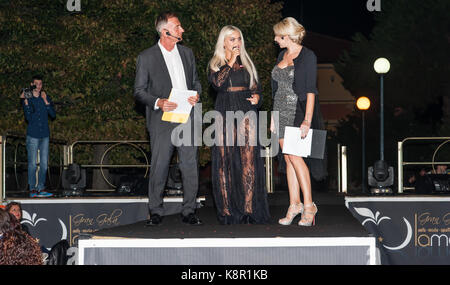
{"points": [[310, 221], [293, 211]]}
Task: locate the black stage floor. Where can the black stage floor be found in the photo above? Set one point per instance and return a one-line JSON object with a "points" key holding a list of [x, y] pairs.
{"points": [[332, 221]]}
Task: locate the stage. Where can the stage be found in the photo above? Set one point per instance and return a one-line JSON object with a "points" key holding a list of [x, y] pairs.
{"points": [[398, 229], [337, 238]]}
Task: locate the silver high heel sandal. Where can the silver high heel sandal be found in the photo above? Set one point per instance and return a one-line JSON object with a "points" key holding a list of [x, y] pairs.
{"points": [[293, 211], [310, 221]]}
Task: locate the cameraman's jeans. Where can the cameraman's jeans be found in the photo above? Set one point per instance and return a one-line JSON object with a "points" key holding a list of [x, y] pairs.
{"points": [[33, 145]]}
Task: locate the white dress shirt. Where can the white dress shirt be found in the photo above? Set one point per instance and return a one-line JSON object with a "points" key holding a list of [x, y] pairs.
{"points": [[175, 67]]}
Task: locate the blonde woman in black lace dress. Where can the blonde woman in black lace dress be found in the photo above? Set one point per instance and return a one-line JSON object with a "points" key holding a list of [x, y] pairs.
{"points": [[295, 98], [237, 166]]}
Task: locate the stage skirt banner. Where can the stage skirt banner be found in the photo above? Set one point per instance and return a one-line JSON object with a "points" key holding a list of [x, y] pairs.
{"points": [[408, 230], [52, 220]]}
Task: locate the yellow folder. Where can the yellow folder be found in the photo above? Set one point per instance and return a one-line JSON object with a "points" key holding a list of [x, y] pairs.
{"points": [[175, 118]]}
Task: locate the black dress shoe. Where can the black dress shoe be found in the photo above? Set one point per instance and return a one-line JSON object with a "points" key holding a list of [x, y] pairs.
{"points": [[155, 220], [191, 219]]}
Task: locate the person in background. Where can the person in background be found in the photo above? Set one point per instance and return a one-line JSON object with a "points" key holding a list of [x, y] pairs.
{"points": [[411, 179], [37, 109], [16, 246], [441, 169], [15, 209]]}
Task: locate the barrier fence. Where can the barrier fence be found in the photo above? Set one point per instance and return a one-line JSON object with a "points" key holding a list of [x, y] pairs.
{"points": [[14, 161], [402, 163], [13, 166]]}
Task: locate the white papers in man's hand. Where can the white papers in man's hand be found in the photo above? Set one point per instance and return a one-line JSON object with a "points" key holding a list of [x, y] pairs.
{"points": [[294, 144], [181, 98], [183, 110]]}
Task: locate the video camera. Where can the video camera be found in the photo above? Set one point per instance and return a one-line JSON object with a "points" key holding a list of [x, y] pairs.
{"points": [[28, 92]]}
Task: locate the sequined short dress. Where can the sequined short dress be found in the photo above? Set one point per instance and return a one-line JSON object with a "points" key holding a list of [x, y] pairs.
{"points": [[285, 100]]}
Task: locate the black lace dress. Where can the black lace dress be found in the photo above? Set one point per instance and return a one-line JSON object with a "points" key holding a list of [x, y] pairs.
{"points": [[238, 175]]}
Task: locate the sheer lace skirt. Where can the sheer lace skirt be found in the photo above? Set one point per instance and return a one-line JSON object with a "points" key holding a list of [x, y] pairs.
{"points": [[237, 166]]}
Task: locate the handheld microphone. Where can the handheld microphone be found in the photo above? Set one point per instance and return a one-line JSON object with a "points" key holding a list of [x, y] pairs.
{"points": [[238, 60], [167, 33]]}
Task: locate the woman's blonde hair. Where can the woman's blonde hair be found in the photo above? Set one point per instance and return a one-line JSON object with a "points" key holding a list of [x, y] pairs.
{"points": [[219, 60], [291, 28]]}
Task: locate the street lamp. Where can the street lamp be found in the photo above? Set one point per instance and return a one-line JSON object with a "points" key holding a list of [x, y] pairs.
{"points": [[381, 66], [363, 104], [381, 176]]}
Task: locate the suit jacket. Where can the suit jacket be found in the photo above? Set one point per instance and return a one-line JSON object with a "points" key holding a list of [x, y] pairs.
{"points": [[153, 81]]}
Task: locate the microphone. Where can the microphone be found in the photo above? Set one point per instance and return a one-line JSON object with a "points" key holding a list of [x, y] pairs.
{"points": [[238, 59], [239, 62], [167, 33]]}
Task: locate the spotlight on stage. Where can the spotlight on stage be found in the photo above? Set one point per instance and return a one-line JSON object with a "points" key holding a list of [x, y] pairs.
{"points": [[73, 180], [174, 186], [381, 178]]}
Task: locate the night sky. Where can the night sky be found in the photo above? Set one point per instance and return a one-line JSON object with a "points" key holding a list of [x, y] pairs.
{"points": [[341, 19]]}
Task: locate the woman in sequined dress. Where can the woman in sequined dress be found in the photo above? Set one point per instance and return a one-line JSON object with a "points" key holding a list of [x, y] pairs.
{"points": [[295, 99]]}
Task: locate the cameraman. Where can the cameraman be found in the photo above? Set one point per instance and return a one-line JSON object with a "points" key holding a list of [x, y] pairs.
{"points": [[37, 107]]}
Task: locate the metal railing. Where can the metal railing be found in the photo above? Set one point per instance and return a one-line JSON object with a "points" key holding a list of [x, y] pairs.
{"points": [[16, 142], [67, 154], [70, 156], [133, 143], [342, 169], [402, 163]]}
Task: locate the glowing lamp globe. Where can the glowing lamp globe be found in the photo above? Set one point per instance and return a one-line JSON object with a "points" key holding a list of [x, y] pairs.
{"points": [[363, 103], [381, 65]]}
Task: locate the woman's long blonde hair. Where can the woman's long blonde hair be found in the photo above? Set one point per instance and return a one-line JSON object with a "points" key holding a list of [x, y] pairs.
{"points": [[218, 59]]}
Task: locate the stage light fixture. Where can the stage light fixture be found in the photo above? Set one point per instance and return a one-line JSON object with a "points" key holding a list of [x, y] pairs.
{"points": [[381, 178], [73, 180], [174, 186]]}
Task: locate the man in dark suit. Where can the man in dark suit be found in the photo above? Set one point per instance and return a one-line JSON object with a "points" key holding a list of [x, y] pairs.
{"points": [[160, 68]]}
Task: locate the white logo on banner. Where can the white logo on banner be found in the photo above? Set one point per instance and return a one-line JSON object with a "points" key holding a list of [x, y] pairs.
{"points": [[64, 229], [371, 217], [31, 219], [28, 219]]}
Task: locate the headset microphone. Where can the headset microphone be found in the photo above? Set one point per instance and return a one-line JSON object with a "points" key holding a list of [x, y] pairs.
{"points": [[167, 33]]}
